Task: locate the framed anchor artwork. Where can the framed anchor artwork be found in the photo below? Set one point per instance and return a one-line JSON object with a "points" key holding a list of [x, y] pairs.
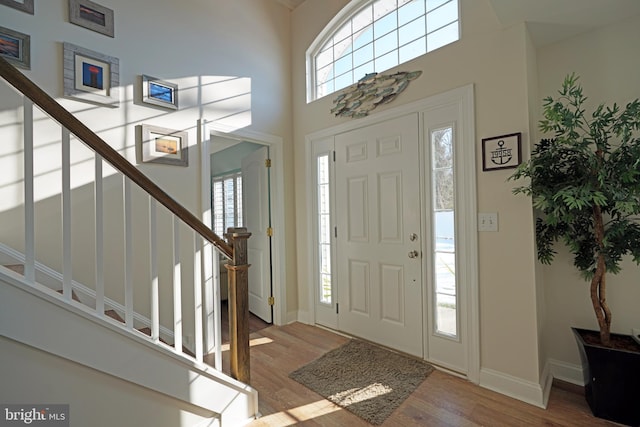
{"points": [[501, 152]]}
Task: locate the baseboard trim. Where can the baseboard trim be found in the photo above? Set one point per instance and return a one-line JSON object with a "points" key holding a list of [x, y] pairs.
{"points": [[509, 385], [546, 382], [301, 316], [567, 372]]}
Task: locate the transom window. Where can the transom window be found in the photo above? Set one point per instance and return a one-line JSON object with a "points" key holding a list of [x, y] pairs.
{"points": [[375, 35]]}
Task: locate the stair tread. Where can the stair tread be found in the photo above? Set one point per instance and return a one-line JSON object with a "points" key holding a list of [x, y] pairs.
{"points": [[74, 296], [114, 315], [18, 268]]}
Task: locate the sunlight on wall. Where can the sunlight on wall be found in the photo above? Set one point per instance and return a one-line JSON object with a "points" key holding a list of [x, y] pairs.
{"points": [[221, 99]]}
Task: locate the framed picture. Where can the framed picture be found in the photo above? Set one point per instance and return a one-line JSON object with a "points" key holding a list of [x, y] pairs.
{"points": [[160, 93], [91, 76], [15, 47], [501, 152], [23, 5], [161, 145], [93, 16]]}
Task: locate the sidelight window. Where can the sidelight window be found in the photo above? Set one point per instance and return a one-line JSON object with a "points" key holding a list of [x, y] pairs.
{"points": [[445, 295], [324, 228]]}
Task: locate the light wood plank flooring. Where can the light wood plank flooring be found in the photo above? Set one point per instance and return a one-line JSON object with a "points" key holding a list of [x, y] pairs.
{"points": [[441, 400]]}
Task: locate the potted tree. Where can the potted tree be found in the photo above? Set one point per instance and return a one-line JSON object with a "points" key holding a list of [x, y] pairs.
{"points": [[585, 185]]}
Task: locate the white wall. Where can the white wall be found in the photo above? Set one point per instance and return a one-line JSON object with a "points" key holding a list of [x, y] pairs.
{"points": [[231, 62], [607, 62], [496, 62], [30, 376]]}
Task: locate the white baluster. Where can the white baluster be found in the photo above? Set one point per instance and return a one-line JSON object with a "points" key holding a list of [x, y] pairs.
{"points": [[99, 224], [155, 299], [217, 321], [29, 205], [67, 273], [177, 286], [128, 255], [197, 295]]}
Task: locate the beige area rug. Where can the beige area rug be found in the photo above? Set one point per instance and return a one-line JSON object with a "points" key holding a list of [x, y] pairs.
{"points": [[365, 379]]}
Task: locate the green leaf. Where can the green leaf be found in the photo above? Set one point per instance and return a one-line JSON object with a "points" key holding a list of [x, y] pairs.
{"points": [[588, 163]]}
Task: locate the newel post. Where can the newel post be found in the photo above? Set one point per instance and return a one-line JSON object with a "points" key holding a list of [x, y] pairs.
{"points": [[238, 274]]}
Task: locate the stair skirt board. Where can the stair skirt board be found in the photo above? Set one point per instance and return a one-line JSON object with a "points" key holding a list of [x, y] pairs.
{"points": [[95, 399], [41, 320]]}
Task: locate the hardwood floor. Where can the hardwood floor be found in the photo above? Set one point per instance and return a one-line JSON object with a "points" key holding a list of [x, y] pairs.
{"points": [[441, 400]]}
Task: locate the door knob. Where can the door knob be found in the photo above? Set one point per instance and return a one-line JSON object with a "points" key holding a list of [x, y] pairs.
{"points": [[413, 237], [413, 254]]}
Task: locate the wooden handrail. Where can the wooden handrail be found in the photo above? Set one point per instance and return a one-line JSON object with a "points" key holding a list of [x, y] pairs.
{"points": [[82, 132]]}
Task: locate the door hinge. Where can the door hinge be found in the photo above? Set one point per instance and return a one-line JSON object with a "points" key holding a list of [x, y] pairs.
{"points": [[271, 300], [335, 232], [267, 163], [269, 232], [337, 308], [334, 156]]}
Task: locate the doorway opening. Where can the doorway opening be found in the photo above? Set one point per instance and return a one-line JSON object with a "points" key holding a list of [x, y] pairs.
{"points": [[245, 189]]}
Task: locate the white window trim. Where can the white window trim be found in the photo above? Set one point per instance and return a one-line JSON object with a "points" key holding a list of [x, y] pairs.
{"points": [[340, 19]]}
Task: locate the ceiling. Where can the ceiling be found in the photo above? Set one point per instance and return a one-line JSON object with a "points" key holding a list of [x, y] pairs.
{"points": [[291, 4], [552, 20]]}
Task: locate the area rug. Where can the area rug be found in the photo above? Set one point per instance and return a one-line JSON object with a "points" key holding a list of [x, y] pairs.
{"points": [[365, 379]]}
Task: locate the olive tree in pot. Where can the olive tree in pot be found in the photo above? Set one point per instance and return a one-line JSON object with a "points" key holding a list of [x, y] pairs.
{"points": [[585, 185]]}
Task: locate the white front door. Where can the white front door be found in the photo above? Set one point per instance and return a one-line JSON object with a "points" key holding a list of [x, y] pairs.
{"points": [[256, 217], [379, 271], [386, 186]]}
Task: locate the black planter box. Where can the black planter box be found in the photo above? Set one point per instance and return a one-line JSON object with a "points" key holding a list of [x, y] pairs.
{"points": [[612, 381]]}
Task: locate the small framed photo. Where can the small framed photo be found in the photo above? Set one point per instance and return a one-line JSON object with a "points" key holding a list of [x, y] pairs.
{"points": [[501, 152], [91, 76], [23, 5], [159, 92], [93, 16], [15, 47], [161, 145]]}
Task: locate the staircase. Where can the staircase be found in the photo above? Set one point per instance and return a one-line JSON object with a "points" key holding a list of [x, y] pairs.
{"points": [[142, 314]]}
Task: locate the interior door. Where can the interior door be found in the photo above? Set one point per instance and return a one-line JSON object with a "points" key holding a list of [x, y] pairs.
{"points": [[257, 219], [378, 234]]}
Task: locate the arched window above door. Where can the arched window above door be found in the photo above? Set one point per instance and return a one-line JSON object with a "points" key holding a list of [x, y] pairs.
{"points": [[375, 35]]}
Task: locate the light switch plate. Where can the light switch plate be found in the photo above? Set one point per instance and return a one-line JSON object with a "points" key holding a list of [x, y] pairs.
{"points": [[488, 221]]}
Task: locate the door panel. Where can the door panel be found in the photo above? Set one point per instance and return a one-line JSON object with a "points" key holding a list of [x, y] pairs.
{"points": [[357, 211], [255, 200], [378, 203]]}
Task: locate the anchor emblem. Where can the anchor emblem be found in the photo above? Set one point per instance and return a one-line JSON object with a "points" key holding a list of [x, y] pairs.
{"points": [[501, 155]]}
